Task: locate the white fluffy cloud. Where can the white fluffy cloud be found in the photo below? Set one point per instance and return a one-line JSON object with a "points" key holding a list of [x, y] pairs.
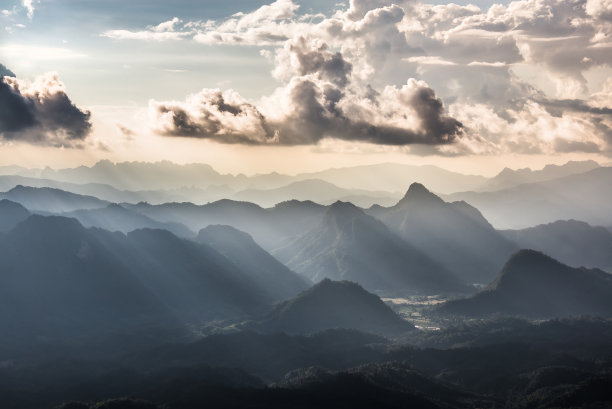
{"points": [[515, 76], [318, 100]]}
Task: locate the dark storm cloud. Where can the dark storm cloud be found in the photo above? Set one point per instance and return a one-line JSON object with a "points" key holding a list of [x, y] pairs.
{"points": [[5, 72], [40, 113]]}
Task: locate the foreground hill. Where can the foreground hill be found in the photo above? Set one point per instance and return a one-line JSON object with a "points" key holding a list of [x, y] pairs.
{"points": [[532, 284], [570, 241], [11, 214], [334, 304], [454, 234], [350, 245], [280, 282], [51, 200]]}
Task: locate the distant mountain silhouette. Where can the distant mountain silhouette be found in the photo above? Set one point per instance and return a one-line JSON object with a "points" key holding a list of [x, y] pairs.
{"points": [[350, 245], [315, 190], [508, 178], [51, 200], [534, 285], [454, 234], [582, 196], [11, 214], [334, 304], [277, 280], [572, 242], [59, 278], [395, 177], [115, 217], [389, 177]]}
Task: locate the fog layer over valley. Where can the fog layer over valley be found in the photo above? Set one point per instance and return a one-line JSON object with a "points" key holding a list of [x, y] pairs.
{"points": [[155, 285]]}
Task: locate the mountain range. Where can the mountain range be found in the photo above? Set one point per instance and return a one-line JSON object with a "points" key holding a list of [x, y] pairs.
{"points": [[583, 196], [572, 242], [238, 246], [532, 284], [91, 281], [348, 244], [456, 234]]}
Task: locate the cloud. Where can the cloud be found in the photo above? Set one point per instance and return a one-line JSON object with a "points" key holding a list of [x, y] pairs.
{"points": [[167, 30], [40, 113], [29, 6], [347, 74], [318, 100]]}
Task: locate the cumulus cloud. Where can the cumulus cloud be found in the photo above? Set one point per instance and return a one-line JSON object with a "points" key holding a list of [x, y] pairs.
{"points": [[40, 112], [29, 6], [507, 63], [318, 100]]}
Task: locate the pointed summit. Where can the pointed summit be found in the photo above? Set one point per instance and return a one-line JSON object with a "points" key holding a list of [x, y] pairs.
{"points": [[417, 193]]}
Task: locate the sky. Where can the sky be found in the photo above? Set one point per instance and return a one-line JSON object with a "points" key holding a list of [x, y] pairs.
{"points": [[293, 86]]}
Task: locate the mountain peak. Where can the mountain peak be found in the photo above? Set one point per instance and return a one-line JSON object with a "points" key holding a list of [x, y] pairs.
{"points": [[342, 212], [419, 193]]}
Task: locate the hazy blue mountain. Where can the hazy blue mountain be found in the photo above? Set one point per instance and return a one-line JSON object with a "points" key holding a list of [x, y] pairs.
{"points": [[138, 175], [51, 200], [314, 190], [584, 196], [112, 194], [350, 245], [59, 279], [455, 234], [11, 214], [334, 304], [270, 228], [395, 177], [571, 242], [115, 217], [275, 278], [534, 285], [508, 177]]}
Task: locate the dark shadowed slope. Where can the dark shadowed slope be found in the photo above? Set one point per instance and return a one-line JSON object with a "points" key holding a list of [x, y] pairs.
{"points": [[115, 217], [334, 304], [274, 278], [454, 234], [51, 200], [534, 285], [350, 245], [58, 279], [570, 241], [584, 196], [11, 214]]}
